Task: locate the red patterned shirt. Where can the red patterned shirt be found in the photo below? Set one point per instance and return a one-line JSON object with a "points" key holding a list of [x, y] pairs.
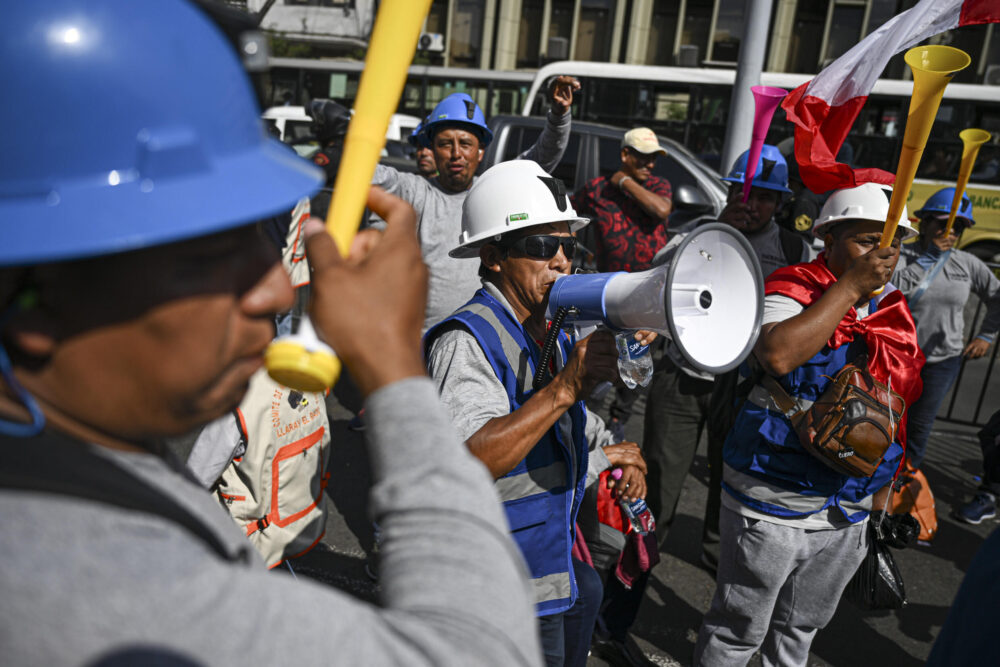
{"points": [[626, 236]]}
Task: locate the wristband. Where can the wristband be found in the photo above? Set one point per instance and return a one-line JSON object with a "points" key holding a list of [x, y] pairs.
{"points": [[621, 181]]}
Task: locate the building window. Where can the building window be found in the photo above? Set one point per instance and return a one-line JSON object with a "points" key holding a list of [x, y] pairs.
{"points": [[880, 12], [529, 35], [593, 34], [662, 31], [560, 30], [845, 31], [807, 37], [972, 40], [437, 17], [992, 72], [697, 23], [728, 31], [466, 33]]}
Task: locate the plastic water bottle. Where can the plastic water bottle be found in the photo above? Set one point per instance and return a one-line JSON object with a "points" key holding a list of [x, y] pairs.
{"points": [[634, 509], [635, 364]]}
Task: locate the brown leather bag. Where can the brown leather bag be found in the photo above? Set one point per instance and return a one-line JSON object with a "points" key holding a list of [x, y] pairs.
{"points": [[849, 427]]}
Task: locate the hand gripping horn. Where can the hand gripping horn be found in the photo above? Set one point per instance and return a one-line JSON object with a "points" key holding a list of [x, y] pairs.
{"points": [[972, 139], [766, 99], [302, 361]]}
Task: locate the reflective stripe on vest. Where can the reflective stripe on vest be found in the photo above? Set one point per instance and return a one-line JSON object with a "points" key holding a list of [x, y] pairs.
{"points": [[781, 500], [553, 587], [542, 493], [511, 349], [531, 482]]}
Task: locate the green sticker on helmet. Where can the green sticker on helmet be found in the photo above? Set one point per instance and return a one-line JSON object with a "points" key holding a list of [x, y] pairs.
{"points": [[517, 217]]}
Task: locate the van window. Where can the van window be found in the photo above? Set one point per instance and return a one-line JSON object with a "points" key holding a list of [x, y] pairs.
{"points": [[520, 139], [667, 166], [297, 130]]}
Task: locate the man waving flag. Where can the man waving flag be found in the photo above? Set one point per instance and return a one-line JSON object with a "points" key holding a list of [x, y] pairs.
{"points": [[825, 108]]}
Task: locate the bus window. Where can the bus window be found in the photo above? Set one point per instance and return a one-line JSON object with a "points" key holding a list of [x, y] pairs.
{"points": [[670, 106]]}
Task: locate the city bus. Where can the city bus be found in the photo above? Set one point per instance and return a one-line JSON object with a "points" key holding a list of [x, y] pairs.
{"points": [[691, 105]]}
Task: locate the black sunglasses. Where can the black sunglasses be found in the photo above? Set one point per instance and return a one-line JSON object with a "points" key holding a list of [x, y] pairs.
{"points": [[543, 246]]}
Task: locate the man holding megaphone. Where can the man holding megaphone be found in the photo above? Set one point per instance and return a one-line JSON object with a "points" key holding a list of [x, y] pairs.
{"points": [[541, 444]]}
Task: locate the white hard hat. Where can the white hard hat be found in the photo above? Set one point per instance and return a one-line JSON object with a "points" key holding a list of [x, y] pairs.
{"points": [[868, 201], [508, 196]]}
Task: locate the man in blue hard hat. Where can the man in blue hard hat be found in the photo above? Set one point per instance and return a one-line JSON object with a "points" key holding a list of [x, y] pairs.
{"points": [[937, 279], [774, 246], [458, 135], [137, 296], [681, 403]]}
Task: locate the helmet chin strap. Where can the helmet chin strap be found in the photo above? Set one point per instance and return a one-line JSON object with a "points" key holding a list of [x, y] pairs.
{"points": [[18, 429]]}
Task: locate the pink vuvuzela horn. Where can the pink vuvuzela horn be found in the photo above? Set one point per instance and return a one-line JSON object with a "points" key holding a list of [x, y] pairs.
{"points": [[766, 100]]}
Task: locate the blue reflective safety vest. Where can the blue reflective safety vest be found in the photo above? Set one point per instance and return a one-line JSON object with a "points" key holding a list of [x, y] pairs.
{"points": [[542, 494], [768, 470]]}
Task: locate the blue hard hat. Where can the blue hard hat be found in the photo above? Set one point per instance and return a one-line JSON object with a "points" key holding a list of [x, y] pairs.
{"points": [[417, 139], [143, 129], [458, 109], [940, 203], [772, 170]]}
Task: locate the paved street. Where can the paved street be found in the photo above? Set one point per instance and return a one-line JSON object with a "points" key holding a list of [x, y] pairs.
{"points": [[681, 589]]}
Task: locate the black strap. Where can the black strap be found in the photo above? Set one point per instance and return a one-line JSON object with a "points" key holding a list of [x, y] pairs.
{"points": [[51, 464], [791, 245]]}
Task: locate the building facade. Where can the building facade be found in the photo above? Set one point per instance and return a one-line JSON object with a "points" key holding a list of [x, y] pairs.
{"points": [[804, 35]]}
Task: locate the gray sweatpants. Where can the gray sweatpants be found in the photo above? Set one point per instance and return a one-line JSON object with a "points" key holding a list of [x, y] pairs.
{"points": [[776, 586]]}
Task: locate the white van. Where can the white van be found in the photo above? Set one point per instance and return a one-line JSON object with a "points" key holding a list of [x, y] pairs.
{"points": [[293, 126]]}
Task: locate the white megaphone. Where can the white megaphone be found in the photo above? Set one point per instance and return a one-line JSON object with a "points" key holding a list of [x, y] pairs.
{"points": [[706, 296]]}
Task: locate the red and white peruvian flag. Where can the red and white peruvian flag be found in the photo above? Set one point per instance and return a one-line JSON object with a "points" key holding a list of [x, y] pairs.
{"points": [[825, 108]]}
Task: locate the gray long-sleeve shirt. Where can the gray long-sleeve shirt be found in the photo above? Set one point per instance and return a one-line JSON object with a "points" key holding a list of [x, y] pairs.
{"points": [[439, 221], [84, 581], [940, 311]]}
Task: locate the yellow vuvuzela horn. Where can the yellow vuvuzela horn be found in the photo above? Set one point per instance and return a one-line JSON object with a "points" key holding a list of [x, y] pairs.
{"points": [[933, 67], [301, 361], [972, 139]]}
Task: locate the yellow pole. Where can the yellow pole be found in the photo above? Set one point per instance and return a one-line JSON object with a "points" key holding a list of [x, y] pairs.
{"points": [[972, 139], [390, 51], [933, 67], [302, 361]]}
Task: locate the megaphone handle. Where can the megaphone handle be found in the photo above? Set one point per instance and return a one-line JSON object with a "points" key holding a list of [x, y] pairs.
{"points": [[542, 372]]}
